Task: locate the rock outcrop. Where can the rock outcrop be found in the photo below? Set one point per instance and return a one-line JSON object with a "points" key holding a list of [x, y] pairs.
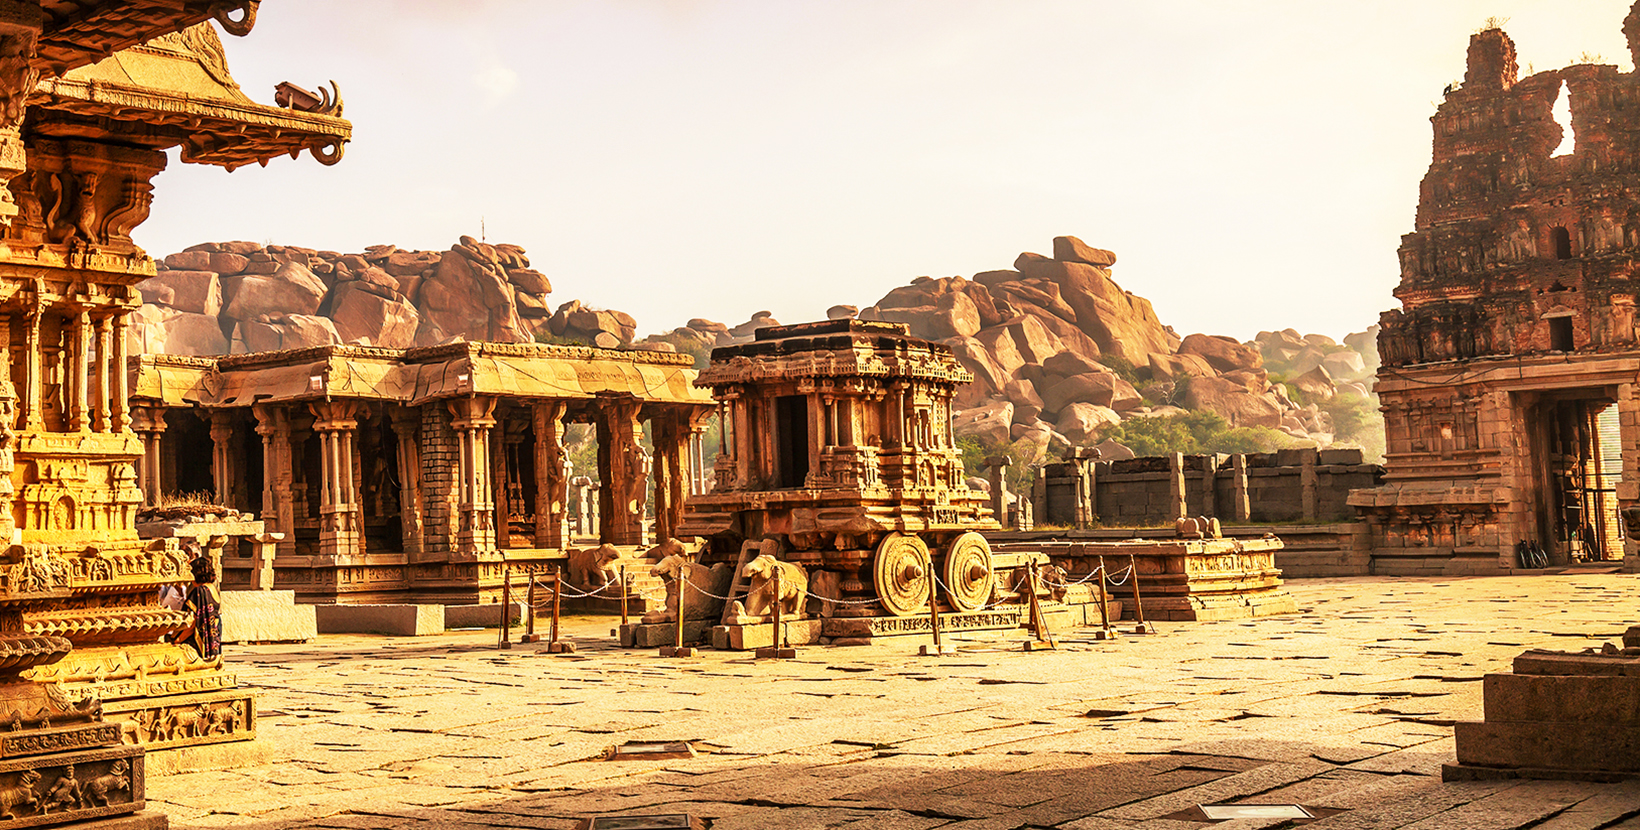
{"points": [[239, 296]]}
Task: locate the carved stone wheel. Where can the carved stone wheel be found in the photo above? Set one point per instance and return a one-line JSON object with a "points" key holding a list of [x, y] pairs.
{"points": [[901, 573], [969, 579]]}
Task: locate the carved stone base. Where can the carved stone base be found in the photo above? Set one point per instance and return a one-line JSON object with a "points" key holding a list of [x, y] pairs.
{"points": [[758, 635], [175, 721], [641, 635], [72, 786]]}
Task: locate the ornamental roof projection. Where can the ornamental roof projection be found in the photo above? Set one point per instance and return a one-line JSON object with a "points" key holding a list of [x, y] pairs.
{"points": [[175, 90], [414, 376]]}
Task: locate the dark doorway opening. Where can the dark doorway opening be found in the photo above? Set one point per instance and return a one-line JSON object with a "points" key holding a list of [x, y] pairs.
{"points": [[1578, 464], [1560, 334], [791, 434], [1563, 243], [189, 437]]}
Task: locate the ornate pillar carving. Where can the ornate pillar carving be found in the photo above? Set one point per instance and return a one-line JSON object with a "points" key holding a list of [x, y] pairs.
{"points": [[20, 25], [33, 362], [8, 441], [78, 373], [407, 426], [551, 478], [149, 423], [102, 416], [335, 424], [621, 475], [472, 419], [119, 384], [222, 459], [278, 509], [672, 432]]}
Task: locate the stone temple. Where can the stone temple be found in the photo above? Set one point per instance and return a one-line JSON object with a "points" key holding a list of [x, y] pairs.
{"points": [[1509, 371]]}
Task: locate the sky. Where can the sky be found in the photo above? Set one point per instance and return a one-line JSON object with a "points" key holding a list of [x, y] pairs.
{"points": [[1252, 164]]}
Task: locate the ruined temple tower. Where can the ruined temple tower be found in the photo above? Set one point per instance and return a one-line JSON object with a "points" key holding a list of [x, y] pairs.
{"points": [[1509, 372]]}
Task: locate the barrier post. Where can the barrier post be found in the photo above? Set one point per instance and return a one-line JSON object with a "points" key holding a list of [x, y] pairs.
{"points": [[938, 649], [678, 649], [529, 613], [774, 649], [506, 601], [1104, 632], [1138, 604], [1041, 637], [554, 646]]}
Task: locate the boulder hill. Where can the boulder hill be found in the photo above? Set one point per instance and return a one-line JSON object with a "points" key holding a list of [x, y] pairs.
{"points": [[1058, 350]]}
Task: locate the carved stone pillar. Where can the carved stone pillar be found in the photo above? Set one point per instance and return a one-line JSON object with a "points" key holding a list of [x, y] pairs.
{"points": [[472, 420], [1242, 507], [339, 525], [1307, 483], [119, 384], [550, 478], [222, 459], [1176, 504], [997, 465], [278, 509], [264, 549], [33, 358], [149, 424], [78, 374], [8, 446], [583, 522], [102, 415], [407, 426], [621, 473], [671, 431]]}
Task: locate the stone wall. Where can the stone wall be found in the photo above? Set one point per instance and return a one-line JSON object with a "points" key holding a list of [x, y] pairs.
{"points": [[1305, 485]]}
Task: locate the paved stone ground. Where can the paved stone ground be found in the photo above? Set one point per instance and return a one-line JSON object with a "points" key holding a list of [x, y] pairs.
{"points": [[1345, 706]]}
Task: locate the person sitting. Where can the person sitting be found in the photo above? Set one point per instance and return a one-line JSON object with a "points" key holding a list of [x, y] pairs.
{"points": [[204, 605]]}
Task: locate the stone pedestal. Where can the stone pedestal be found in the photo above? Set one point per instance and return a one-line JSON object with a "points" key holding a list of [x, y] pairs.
{"points": [[1557, 715]]}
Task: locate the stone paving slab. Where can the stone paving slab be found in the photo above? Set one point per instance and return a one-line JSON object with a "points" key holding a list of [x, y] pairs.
{"points": [[1347, 705]]}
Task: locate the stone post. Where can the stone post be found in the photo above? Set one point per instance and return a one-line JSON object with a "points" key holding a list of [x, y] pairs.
{"points": [[621, 474], [472, 419], [406, 426], [264, 548], [222, 458], [1210, 483], [1241, 509], [1175, 489], [550, 474], [339, 526], [997, 466], [1306, 482]]}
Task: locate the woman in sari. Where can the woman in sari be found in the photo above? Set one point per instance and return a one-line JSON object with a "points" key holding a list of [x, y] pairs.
{"points": [[204, 606]]}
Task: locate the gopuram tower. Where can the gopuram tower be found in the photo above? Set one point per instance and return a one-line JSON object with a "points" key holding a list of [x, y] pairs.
{"points": [[1509, 372], [91, 95]]}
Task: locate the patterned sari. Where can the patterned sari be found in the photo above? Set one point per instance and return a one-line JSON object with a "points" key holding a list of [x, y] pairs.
{"points": [[202, 602]]}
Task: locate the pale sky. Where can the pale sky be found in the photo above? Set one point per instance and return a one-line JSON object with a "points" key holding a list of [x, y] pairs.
{"points": [[1252, 164]]}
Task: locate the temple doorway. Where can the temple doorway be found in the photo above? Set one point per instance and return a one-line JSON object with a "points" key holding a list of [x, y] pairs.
{"points": [[1577, 462]]}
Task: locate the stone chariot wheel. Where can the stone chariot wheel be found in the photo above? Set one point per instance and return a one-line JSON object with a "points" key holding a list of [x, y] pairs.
{"points": [[901, 573], [968, 578]]}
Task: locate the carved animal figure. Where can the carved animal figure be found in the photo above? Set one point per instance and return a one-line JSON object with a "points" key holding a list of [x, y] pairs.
{"points": [[187, 723], [21, 795], [705, 586], [670, 547], [1200, 527], [794, 586], [64, 793], [226, 719], [590, 569], [95, 791]]}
